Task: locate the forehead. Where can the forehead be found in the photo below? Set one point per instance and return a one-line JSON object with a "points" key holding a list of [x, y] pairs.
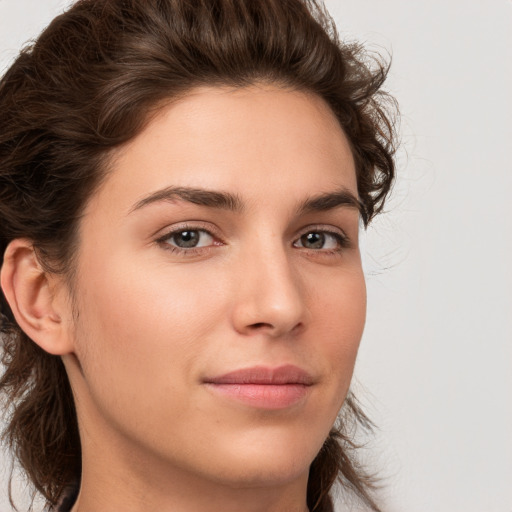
{"points": [[254, 140]]}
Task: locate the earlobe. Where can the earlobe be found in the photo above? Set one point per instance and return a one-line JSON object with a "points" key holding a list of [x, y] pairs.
{"points": [[31, 294]]}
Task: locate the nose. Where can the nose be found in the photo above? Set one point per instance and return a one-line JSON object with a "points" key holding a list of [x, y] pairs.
{"points": [[270, 297]]}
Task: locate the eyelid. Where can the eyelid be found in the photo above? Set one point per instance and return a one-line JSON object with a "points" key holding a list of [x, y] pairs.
{"points": [[188, 226], [322, 228], [343, 240]]}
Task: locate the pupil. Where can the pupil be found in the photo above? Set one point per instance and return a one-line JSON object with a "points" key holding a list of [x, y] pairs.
{"points": [[187, 239], [313, 240]]}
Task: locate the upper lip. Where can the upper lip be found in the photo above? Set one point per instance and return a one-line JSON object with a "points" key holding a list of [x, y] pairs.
{"points": [[286, 374]]}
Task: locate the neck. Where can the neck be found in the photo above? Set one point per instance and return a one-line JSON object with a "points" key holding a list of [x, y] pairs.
{"points": [[182, 494]]}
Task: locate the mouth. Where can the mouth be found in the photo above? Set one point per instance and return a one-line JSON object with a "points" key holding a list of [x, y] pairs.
{"points": [[263, 387]]}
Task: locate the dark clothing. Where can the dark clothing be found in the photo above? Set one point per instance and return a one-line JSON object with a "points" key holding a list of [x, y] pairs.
{"points": [[67, 500]]}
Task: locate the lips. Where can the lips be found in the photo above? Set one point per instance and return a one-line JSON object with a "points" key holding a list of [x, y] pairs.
{"points": [[263, 387], [287, 374]]}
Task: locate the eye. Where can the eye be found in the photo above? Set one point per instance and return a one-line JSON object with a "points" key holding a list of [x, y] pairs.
{"points": [[321, 240], [188, 238]]}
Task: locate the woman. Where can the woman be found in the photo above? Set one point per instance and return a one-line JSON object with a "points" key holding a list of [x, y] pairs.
{"points": [[182, 185]]}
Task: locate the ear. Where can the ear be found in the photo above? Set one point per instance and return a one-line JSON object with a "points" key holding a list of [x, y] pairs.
{"points": [[36, 298]]}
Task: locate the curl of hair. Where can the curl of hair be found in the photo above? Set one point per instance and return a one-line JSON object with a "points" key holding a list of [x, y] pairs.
{"points": [[90, 83]]}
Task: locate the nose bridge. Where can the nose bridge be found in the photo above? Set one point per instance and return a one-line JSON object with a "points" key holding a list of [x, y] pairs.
{"points": [[270, 294]]}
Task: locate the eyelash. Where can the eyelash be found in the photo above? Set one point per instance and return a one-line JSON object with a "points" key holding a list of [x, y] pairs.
{"points": [[192, 251], [342, 240]]}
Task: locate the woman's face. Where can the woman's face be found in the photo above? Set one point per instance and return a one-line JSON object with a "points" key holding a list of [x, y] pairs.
{"points": [[219, 290]]}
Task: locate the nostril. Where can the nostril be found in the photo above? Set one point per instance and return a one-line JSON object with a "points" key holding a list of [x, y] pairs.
{"points": [[258, 325], [275, 329]]}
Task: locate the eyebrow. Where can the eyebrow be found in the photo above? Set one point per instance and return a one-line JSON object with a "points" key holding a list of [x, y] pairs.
{"points": [[200, 196], [232, 202], [330, 200]]}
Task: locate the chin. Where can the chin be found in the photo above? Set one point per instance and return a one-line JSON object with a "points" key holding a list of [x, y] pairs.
{"points": [[266, 474], [268, 462]]}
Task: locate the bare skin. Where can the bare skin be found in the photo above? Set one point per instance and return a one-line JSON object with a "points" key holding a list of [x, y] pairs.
{"points": [[172, 294]]}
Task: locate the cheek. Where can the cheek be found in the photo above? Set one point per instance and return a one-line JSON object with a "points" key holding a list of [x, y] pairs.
{"points": [[142, 328], [143, 334], [339, 318], [147, 302]]}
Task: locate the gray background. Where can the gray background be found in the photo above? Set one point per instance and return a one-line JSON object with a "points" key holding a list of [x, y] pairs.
{"points": [[435, 366]]}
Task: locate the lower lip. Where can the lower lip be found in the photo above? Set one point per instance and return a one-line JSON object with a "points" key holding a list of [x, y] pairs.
{"points": [[263, 396]]}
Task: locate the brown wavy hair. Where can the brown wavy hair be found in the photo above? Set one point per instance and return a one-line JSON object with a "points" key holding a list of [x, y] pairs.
{"points": [[90, 83]]}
